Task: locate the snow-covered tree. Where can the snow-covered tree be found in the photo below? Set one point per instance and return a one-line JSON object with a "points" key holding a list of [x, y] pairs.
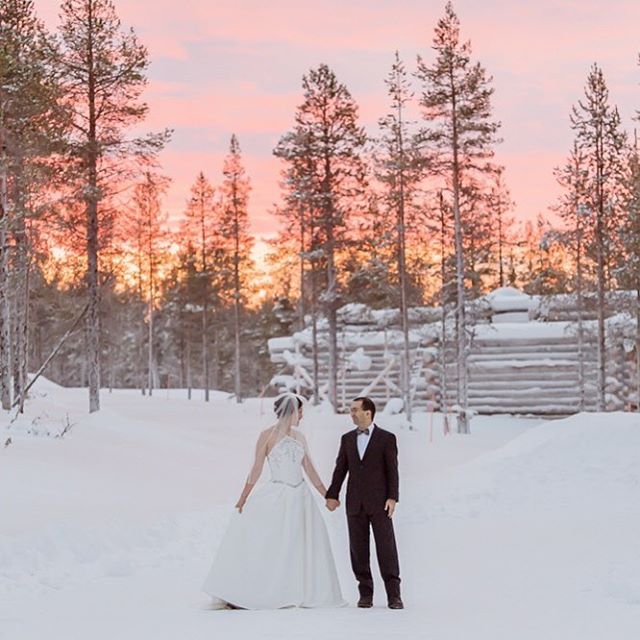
{"points": [[459, 133], [181, 300], [102, 70], [149, 236], [299, 239], [500, 204], [572, 208], [234, 226], [29, 132], [601, 141], [327, 131], [399, 169], [628, 270], [200, 228]]}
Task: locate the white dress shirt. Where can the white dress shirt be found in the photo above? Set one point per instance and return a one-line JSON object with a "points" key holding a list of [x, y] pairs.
{"points": [[362, 440]]}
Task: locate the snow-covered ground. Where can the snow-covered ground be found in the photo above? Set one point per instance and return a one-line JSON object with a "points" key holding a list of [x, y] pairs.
{"points": [[523, 530]]}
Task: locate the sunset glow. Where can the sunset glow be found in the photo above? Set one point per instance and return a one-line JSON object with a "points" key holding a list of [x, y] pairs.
{"points": [[225, 67]]}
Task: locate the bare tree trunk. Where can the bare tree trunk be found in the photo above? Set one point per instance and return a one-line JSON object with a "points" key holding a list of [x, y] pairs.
{"points": [[302, 251], [406, 360], [205, 305], [444, 404], [638, 349], [205, 351], [92, 197], [112, 357], [20, 305], [463, 419], [332, 318], [580, 304], [215, 358], [332, 284], [150, 381], [150, 353], [236, 306], [24, 329], [93, 319], [182, 349], [21, 328], [600, 257], [236, 320], [5, 332], [188, 365], [14, 332], [314, 334], [500, 248], [402, 272], [16, 304]]}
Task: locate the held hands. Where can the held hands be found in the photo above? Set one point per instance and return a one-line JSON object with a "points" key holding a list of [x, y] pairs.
{"points": [[332, 504], [390, 507]]}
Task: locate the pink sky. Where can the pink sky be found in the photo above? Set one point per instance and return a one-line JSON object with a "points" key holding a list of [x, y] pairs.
{"points": [[230, 66]]}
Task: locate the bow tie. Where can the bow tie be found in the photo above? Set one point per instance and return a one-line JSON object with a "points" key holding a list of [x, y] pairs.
{"points": [[363, 431]]}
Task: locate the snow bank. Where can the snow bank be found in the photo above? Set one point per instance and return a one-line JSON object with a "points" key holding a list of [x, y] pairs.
{"points": [[523, 529]]}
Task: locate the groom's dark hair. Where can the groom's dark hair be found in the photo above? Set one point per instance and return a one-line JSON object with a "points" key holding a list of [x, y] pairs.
{"points": [[367, 405]]}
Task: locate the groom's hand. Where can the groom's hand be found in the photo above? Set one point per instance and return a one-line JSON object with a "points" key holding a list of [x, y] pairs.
{"points": [[332, 504], [390, 507]]}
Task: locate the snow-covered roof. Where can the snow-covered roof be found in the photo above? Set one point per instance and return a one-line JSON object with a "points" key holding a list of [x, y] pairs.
{"points": [[508, 299]]}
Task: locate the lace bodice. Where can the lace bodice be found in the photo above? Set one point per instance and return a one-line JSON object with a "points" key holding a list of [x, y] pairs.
{"points": [[285, 461], [287, 458]]}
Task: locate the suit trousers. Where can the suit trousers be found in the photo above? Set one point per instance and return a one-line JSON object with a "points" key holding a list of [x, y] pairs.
{"points": [[386, 550]]}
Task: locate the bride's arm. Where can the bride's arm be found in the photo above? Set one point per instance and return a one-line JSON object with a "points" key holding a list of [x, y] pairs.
{"points": [[256, 470], [310, 470]]}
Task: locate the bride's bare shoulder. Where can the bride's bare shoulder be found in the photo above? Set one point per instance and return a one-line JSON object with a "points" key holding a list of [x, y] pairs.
{"points": [[265, 433]]}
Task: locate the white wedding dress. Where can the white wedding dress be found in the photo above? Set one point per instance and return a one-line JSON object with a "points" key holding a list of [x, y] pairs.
{"points": [[276, 553]]}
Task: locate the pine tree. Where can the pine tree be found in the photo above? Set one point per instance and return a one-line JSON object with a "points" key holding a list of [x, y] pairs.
{"points": [[300, 235], [542, 260], [478, 235], [296, 236], [600, 139], [148, 224], [180, 300], [629, 265], [235, 228], [371, 262], [399, 165], [459, 131], [327, 131], [500, 204], [572, 208], [29, 132], [102, 71], [200, 228]]}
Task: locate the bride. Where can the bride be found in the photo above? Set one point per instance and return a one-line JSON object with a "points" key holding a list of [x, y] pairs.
{"points": [[275, 552]]}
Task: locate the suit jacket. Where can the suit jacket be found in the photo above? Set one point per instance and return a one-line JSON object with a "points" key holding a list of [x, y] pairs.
{"points": [[372, 480]]}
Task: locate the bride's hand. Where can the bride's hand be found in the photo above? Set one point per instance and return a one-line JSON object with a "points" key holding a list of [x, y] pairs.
{"points": [[240, 504], [332, 504]]}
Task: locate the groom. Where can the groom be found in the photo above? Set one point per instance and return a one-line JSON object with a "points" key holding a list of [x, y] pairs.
{"points": [[370, 456]]}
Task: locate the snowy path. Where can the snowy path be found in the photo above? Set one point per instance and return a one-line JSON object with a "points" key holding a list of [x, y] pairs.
{"points": [[522, 530]]}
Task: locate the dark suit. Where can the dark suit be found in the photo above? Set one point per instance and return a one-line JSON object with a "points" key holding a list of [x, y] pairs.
{"points": [[372, 481]]}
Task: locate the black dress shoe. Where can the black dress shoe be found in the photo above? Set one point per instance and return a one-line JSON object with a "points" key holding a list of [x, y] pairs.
{"points": [[395, 603], [365, 602]]}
